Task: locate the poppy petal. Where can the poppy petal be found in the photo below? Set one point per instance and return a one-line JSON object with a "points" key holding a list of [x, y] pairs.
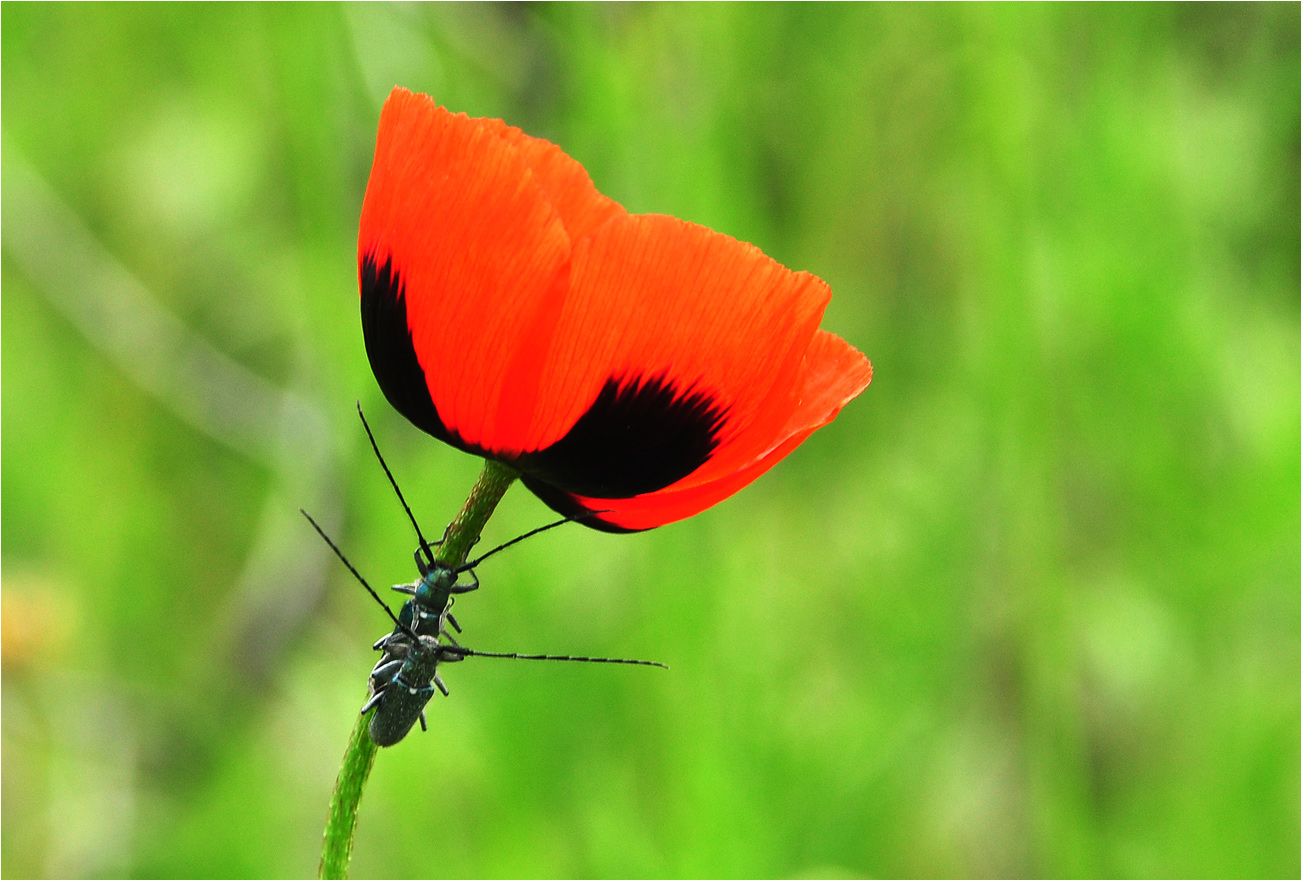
{"points": [[462, 255], [678, 352], [582, 210], [835, 373]]}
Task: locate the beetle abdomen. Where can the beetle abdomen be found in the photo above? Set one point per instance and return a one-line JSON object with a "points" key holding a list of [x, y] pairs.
{"points": [[399, 709]]}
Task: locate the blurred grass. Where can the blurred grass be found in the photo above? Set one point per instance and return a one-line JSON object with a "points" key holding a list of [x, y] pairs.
{"points": [[1029, 607]]}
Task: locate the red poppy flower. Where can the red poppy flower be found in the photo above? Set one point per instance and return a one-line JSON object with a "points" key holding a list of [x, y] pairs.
{"points": [[635, 365]]}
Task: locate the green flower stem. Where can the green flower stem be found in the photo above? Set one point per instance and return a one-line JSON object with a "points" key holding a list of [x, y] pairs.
{"points": [[359, 757], [485, 495], [342, 821]]}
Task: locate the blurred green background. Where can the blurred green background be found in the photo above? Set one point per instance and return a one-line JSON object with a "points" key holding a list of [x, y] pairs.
{"points": [[1030, 606]]}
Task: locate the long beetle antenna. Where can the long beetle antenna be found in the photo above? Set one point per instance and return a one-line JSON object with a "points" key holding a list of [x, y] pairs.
{"points": [[463, 651], [352, 569], [425, 546], [534, 532]]}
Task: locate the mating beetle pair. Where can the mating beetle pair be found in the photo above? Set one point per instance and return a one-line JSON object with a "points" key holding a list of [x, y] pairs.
{"points": [[404, 680]]}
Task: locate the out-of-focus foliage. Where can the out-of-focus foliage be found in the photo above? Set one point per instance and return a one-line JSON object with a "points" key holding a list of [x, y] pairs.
{"points": [[1029, 607]]}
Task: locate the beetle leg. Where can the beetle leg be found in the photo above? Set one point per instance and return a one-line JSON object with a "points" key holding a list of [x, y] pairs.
{"points": [[463, 589], [372, 701]]}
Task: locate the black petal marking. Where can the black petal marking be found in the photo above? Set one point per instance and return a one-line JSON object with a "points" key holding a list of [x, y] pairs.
{"points": [[390, 350], [568, 506], [641, 434]]}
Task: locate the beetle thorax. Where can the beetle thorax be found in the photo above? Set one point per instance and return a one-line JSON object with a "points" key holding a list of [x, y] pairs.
{"points": [[433, 588]]}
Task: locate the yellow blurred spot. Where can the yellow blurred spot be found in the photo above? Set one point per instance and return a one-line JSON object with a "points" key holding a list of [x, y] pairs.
{"points": [[33, 622]]}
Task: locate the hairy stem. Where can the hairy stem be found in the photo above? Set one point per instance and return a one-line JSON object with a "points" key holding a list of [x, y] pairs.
{"points": [[359, 757]]}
